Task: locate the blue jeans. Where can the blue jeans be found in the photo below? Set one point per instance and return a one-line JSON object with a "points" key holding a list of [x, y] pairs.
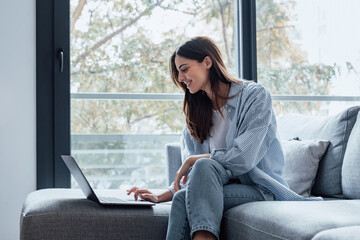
{"points": [[200, 205]]}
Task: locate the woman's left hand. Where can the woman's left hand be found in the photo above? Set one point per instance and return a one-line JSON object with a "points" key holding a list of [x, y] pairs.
{"points": [[184, 169]]}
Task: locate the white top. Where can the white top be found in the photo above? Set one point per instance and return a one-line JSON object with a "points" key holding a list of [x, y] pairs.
{"points": [[219, 130]]}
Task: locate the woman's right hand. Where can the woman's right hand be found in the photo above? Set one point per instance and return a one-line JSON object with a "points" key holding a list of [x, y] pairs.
{"points": [[144, 194]]}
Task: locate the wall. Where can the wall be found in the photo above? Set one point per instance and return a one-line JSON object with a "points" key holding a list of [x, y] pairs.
{"points": [[18, 111]]}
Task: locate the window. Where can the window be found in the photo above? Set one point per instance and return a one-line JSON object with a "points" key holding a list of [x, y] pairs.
{"points": [[309, 52], [106, 63]]}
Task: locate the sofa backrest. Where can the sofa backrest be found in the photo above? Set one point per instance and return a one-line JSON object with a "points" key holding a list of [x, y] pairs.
{"points": [[337, 130], [173, 160], [351, 165]]}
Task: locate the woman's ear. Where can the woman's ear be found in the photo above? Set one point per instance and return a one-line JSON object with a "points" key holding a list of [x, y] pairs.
{"points": [[207, 62]]}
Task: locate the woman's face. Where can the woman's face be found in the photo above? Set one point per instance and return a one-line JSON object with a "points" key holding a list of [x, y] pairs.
{"points": [[194, 74]]}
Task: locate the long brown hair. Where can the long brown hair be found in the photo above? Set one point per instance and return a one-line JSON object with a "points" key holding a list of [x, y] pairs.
{"points": [[198, 107]]}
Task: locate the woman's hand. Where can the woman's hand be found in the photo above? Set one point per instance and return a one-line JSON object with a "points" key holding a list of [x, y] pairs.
{"points": [[144, 194], [184, 169]]}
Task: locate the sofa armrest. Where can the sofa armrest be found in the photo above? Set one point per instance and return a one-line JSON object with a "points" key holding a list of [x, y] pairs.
{"points": [[173, 160]]}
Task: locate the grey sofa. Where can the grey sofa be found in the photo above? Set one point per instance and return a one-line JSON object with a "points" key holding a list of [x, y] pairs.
{"points": [[66, 214]]}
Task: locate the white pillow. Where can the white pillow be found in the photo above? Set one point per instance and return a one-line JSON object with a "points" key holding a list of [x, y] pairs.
{"points": [[301, 163]]}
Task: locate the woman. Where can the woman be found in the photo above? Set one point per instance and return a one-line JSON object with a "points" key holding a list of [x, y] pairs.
{"points": [[230, 150]]}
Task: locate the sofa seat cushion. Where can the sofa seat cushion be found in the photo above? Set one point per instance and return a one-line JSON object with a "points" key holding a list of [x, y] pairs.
{"points": [[288, 220], [342, 233], [67, 214]]}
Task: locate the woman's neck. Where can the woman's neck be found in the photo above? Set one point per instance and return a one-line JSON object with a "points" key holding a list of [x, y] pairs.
{"points": [[223, 92]]}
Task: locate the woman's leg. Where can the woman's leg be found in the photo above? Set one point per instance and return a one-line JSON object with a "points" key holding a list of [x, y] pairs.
{"points": [[178, 226], [204, 196], [236, 194]]}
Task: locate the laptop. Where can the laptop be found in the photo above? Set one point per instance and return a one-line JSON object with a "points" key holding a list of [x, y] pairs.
{"points": [[90, 193]]}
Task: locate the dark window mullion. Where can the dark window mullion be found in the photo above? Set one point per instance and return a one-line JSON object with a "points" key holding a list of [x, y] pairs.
{"points": [[52, 93], [61, 91], [247, 39]]}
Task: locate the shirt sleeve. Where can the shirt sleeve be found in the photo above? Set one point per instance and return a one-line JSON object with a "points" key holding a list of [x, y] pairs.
{"points": [[253, 132], [186, 144], [171, 187]]}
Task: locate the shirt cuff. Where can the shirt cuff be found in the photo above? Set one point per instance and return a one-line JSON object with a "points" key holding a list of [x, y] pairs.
{"points": [[171, 188]]}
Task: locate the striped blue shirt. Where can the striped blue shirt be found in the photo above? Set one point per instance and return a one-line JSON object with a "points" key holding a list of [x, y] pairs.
{"points": [[253, 152]]}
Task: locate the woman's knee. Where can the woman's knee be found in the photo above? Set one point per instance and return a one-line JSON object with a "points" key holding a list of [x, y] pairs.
{"points": [[204, 164], [179, 196], [205, 168]]}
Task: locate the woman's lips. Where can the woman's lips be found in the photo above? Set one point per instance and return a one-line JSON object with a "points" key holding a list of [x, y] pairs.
{"points": [[188, 84]]}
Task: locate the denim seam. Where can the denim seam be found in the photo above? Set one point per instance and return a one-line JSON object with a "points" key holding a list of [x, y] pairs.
{"points": [[187, 200], [256, 229], [184, 230], [243, 196]]}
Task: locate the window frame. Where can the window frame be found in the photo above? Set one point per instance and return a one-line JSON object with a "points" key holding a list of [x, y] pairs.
{"points": [[52, 93]]}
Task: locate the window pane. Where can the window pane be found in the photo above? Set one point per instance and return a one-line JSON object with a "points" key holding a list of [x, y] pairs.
{"points": [[124, 47], [309, 47]]}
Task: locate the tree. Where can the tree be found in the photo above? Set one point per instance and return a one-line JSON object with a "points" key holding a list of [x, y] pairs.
{"points": [[283, 67]]}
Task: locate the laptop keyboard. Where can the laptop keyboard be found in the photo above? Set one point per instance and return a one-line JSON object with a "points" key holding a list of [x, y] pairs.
{"points": [[112, 200]]}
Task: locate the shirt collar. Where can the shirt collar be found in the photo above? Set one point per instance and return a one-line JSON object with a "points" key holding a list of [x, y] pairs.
{"points": [[235, 89]]}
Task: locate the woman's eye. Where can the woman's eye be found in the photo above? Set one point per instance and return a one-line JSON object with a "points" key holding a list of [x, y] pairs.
{"points": [[184, 70]]}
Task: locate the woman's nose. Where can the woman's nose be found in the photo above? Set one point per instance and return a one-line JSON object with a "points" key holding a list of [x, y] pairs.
{"points": [[181, 77]]}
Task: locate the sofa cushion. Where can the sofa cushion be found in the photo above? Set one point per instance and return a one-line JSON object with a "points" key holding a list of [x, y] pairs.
{"points": [[67, 214], [336, 129], [301, 163], [342, 233], [288, 219], [351, 164], [173, 160]]}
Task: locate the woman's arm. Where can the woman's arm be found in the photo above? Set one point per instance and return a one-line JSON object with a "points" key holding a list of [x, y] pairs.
{"points": [[256, 130], [165, 196], [184, 169]]}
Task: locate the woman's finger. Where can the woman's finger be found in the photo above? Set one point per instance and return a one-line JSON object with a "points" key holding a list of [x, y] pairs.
{"points": [[140, 191], [136, 194], [144, 191], [177, 182], [131, 190], [184, 179], [149, 197]]}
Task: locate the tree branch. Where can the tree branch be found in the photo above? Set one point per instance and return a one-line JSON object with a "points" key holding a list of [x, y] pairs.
{"points": [[173, 9], [150, 115], [274, 27], [223, 23], [121, 29], [77, 13]]}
